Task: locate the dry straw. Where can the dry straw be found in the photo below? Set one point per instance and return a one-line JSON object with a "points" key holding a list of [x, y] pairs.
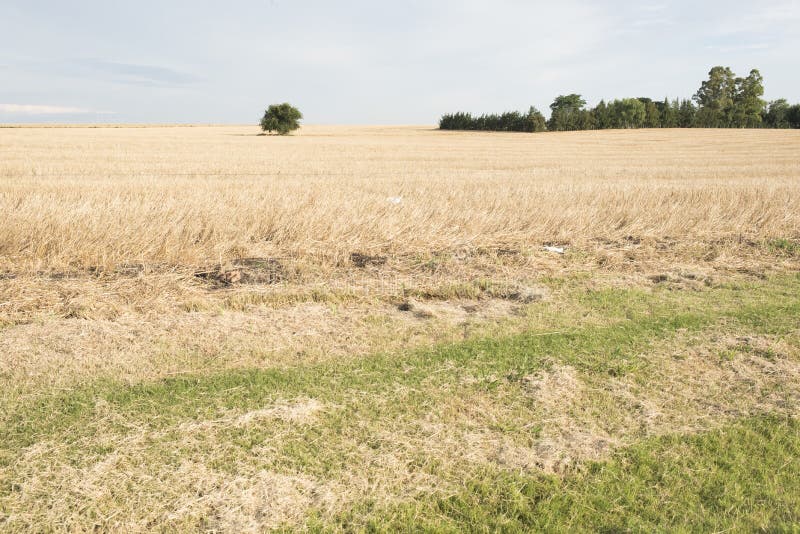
{"points": [[183, 197]]}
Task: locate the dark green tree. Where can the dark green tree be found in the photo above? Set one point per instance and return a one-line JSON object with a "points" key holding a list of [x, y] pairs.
{"points": [[535, 121], [652, 116], [668, 113], [628, 113], [566, 113], [687, 114], [777, 114], [456, 121], [747, 103], [793, 116], [585, 120], [601, 116], [715, 99], [281, 118]]}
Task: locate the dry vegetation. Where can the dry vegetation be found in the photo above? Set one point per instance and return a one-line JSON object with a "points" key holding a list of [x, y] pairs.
{"points": [[178, 197], [139, 215], [206, 329]]}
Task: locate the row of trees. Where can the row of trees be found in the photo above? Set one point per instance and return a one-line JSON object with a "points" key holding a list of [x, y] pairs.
{"points": [[510, 121], [568, 112], [723, 101]]}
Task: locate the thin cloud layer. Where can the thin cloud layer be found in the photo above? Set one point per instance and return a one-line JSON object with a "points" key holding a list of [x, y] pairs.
{"points": [[35, 109], [359, 61], [134, 74]]}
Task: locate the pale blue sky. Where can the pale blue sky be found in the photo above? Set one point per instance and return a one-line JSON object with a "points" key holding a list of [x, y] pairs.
{"points": [[372, 62]]}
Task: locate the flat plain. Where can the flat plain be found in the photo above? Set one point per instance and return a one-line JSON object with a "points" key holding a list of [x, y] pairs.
{"points": [[383, 328]]}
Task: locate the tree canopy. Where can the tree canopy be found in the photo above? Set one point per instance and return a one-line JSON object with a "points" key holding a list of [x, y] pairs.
{"points": [[715, 98], [567, 113], [722, 101], [510, 121], [281, 118], [726, 101]]}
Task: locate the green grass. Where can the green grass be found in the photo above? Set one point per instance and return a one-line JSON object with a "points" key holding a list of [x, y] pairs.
{"points": [[785, 246], [374, 407], [743, 477], [637, 320], [611, 351]]}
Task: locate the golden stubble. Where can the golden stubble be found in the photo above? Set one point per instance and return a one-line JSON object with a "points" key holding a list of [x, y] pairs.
{"points": [[169, 197]]}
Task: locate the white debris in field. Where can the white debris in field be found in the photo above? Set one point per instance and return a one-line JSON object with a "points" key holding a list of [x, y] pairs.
{"points": [[395, 200], [557, 250]]}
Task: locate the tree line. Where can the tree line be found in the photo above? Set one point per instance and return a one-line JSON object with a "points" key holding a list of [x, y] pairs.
{"points": [[723, 101]]}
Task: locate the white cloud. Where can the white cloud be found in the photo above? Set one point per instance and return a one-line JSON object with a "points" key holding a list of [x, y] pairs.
{"points": [[35, 109]]}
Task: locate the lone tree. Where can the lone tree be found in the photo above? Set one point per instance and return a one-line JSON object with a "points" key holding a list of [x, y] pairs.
{"points": [[281, 118]]}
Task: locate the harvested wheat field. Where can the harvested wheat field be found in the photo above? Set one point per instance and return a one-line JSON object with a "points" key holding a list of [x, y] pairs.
{"points": [[399, 328]]}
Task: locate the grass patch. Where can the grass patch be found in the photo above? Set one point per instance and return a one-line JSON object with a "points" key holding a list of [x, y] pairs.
{"points": [[785, 246], [744, 477], [611, 351], [462, 416]]}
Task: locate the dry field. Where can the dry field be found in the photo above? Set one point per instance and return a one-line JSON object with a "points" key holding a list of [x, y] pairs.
{"points": [[202, 328], [76, 199]]}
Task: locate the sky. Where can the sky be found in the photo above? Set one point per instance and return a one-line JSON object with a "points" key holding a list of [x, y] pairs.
{"points": [[371, 61]]}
